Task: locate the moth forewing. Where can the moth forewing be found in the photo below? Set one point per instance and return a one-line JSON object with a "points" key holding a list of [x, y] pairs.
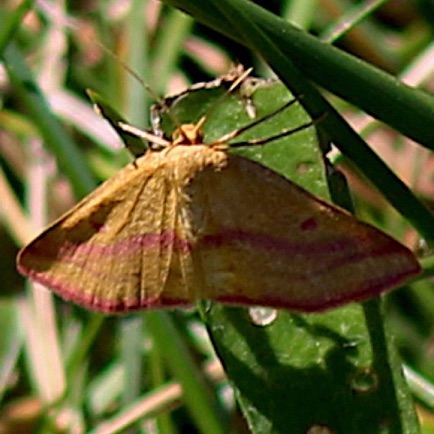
{"points": [[190, 220]]}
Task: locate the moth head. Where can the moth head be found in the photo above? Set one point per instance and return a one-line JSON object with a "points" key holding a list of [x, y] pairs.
{"points": [[189, 134]]}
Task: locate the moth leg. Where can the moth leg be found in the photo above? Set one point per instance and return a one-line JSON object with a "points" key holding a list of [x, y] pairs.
{"points": [[233, 134]]}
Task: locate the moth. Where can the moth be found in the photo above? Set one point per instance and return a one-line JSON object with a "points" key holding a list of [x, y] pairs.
{"points": [[190, 220]]}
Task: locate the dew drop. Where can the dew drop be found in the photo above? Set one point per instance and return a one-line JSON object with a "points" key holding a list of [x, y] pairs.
{"points": [[364, 381], [262, 316], [423, 248]]}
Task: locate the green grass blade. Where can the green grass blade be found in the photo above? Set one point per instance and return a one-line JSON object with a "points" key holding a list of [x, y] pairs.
{"points": [[68, 156], [9, 24], [351, 19], [168, 49], [11, 341], [196, 392], [137, 97]]}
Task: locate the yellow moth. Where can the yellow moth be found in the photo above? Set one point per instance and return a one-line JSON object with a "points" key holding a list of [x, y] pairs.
{"points": [[189, 220]]}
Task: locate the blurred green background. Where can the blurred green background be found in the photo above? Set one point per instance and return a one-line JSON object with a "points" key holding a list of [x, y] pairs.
{"points": [[66, 370]]}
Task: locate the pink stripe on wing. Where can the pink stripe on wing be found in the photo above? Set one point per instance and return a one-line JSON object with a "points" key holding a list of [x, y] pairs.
{"points": [[89, 301], [344, 246], [133, 245]]}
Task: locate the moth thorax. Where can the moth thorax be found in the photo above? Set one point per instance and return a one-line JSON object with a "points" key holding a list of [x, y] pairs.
{"points": [[188, 134]]}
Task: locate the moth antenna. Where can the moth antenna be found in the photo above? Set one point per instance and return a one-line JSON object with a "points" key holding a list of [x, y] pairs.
{"points": [[241, 75], [200, 124], [133, 73], [233, 134], [238, 81], [144, 134], [282, 134], [158, 99]]}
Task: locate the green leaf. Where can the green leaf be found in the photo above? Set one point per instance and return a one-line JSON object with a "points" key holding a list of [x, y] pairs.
{"points": [[295, 373]]}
